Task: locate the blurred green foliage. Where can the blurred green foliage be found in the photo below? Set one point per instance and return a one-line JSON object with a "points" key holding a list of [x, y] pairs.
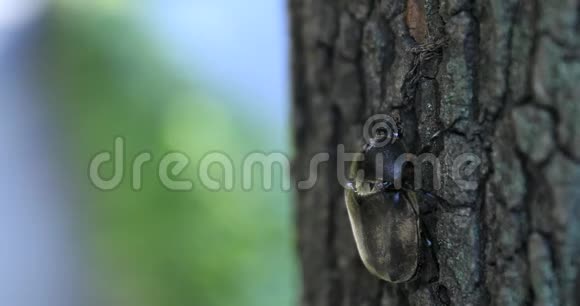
{"points": [[156, 247]]}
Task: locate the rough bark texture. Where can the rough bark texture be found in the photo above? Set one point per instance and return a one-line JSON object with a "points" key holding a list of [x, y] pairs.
{"points": [[510, 69]]}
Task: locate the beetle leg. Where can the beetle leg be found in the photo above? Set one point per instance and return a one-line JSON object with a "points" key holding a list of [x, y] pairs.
{"points": [[438, 134], [384, 186], [430, 268]]}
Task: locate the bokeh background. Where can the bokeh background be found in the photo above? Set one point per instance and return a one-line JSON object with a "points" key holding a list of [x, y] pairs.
{"points": [[166, 75]]}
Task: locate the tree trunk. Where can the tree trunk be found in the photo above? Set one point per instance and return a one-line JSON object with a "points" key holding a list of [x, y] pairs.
{"points": [[505, 75]]}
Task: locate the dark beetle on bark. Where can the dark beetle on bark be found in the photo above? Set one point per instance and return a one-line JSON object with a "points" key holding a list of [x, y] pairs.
{"points": [[386, 218]]}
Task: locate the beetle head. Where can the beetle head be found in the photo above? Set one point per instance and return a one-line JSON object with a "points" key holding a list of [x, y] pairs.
{"points": [[380, 163], [380, 156]]}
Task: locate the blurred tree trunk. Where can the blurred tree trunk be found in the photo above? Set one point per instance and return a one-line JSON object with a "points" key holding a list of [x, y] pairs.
{"points": [[511, 70]]}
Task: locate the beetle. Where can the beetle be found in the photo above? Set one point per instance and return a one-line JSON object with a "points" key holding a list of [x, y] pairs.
{"points": [[385, 220]]}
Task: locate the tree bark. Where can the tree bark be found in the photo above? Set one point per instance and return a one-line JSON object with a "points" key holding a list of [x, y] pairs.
{"points": [[508, 75]]}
